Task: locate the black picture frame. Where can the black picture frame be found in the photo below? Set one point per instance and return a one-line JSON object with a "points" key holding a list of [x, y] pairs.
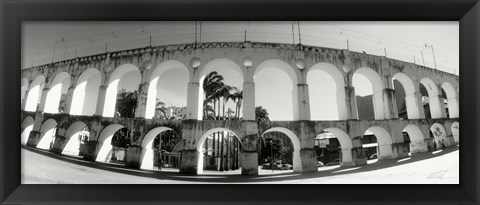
{"points": [[14, 12]]}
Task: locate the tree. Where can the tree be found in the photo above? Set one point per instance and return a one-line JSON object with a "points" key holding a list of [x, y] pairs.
{"points": [[126, 103], [237, 97], [224, 93], [211, 84], [261, 114], [160, 110]]}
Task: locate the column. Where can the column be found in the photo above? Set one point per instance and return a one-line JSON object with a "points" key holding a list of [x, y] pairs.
{"points": [[400, 150], [357, 154], [248, 103], [308, 158], [43, 100], [351, 103], [188, 161], [346, 158], [249, 157], [390, 103], [414, 106], [59, 144], [419, 146], [385, 151], [102, 93], [25, 98], [33, 138], [301, 102], [142, 95], [90, 151], [383, 104], [68, 101], [192, 101], [133, 156], [437, 107], [453, 106]]}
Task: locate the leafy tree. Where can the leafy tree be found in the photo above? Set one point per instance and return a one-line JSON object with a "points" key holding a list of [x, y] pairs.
{"points": [[126, 103], [160, 110], [261, 114]]}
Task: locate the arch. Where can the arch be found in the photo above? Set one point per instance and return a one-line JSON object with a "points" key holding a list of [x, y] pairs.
{"points": [[291, 73], [280, 64], [47, 134], [219, 64], [384, 141], [414, 132], [105, 141], [112, 89], [58, 86], [345, 144], [342, 136], [34, 93], [297, 161], [433, 95], [147, 153], [201, 141], [452, 99], [338, 78], [86, 93], [439, 134], [417, 139], [373, 76], [154, 76], [455, 129], [26, 126], [379, 109], [413, 111], [24, 88], [72, 144], [383, 137]]}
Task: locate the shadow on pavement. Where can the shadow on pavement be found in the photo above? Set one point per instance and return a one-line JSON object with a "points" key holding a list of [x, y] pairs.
{"points": [[230, 178]]}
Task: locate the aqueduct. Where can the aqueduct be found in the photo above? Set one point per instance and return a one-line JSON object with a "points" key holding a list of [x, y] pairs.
{"points": [[88, 86]]}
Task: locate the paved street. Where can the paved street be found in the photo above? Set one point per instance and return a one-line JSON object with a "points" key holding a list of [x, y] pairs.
{"points": [[440, 167]]}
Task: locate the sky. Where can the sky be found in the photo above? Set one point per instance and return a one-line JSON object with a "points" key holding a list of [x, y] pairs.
{"points": [[44, 42]]}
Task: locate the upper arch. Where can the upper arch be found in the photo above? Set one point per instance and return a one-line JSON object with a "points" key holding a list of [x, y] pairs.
{"points": [[280, 64], [219, 64], [332, 70], [373, 76], [150, 136]]}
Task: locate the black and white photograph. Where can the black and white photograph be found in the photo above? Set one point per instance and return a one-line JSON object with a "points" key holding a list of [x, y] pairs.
{"points": [[240, 102]]}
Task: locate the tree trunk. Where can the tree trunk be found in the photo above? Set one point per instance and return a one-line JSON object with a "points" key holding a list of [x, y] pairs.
{"points": [[213, 150], [214, 107], [236, 153], [219, 109], [228, 152], [223, 108], [206, 148], [221, 153]]}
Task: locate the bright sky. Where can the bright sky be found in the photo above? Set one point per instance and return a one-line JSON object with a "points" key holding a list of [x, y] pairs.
{"points": [[402, 40]]}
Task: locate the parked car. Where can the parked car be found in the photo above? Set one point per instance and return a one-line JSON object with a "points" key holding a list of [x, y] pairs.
{"points": [[373, 156], [334, 162], [320, 164]]}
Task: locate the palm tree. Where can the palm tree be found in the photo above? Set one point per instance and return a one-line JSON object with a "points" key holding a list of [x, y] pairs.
{"points": [[224, 93], [208, 112], [126, 103], [160, 110], [237, 97], [261, 114], [211, 84]]}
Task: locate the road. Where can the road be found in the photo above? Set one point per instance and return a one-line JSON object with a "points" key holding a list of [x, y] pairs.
{"points": [[440, 167]]}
